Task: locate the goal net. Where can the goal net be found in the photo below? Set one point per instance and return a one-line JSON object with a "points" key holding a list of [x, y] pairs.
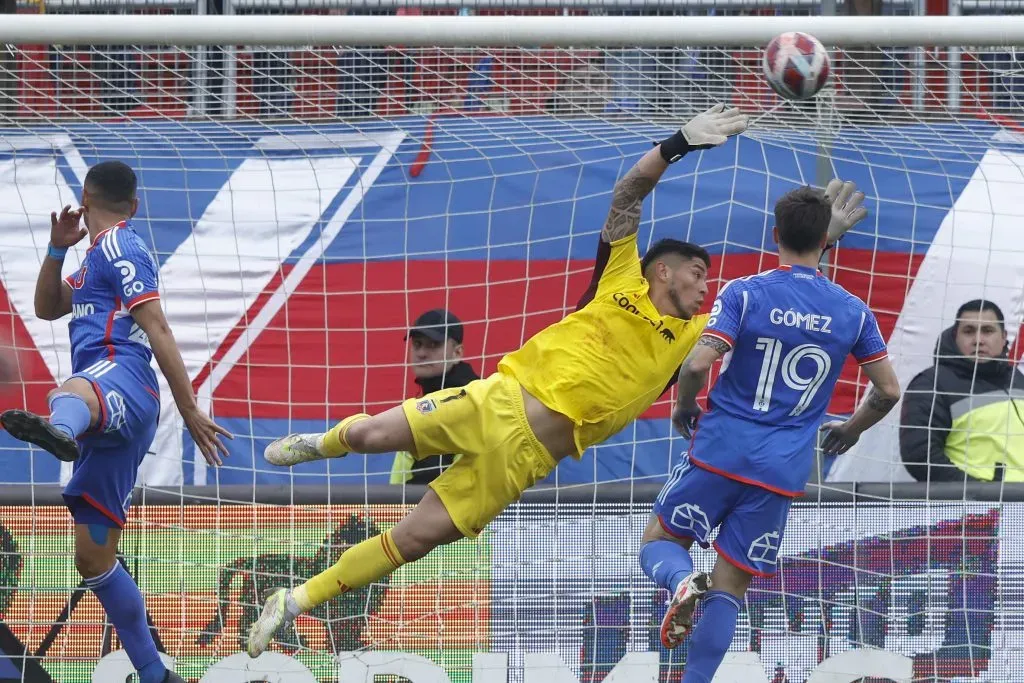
{"points": [[306, 203]]}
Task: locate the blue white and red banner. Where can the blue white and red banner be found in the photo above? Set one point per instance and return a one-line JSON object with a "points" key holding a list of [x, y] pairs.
{"points": [[293, 258]]}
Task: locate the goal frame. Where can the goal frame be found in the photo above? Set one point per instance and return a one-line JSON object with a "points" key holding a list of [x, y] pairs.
{"points": [[499, 31]]}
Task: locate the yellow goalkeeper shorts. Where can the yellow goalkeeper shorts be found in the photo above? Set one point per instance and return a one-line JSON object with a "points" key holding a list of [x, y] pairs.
{"points": [[485, 421]]}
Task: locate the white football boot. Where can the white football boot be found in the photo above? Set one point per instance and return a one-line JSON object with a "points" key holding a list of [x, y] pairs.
{"points": [[274, 615], [295, 448], [678, 621]]}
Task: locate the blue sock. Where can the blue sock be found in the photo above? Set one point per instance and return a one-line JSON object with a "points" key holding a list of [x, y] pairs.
{"points": [[712, 637], [69, 413], [666, 563], [122, 601]]}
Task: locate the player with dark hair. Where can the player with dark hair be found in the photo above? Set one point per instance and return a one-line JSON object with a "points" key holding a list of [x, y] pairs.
{"points": [[789, 331], [570, 386], [104, 417]]}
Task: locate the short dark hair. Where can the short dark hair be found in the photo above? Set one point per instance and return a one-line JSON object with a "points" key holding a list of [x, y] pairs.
{"points": [[687, 250], [980, 305], [802, 216], [113, 185]]}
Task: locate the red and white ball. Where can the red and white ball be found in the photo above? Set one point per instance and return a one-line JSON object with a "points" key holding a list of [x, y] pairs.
{"points": [[796, 65]]}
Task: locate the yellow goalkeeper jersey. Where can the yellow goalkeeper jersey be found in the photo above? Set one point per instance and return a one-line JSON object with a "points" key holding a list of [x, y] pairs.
{"points": [[605, 364]]}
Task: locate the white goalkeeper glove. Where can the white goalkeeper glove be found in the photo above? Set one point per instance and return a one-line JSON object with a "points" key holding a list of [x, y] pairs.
{"points": [[847, 209], [704, 131]]}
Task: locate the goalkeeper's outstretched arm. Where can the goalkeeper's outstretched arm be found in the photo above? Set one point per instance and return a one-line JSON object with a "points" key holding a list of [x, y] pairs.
{"points": [[847, 210], [710, 129]]}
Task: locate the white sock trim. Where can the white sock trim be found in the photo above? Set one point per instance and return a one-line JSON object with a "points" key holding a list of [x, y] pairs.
{"points": [[98, 581]]}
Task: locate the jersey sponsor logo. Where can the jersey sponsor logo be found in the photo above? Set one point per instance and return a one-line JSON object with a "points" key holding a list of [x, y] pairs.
{"points": [[716, 310], [81, 310], [454, 397], [625, 304], [812, 322], [691, 519], [765, 548], [425, 405], [130, 285], [78, 279]]}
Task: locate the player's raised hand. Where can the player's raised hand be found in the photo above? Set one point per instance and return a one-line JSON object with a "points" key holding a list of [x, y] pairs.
{"points": [[65, 229], [206, 433], [684, 418], [839, 437], [714, 127], [847, 208]]}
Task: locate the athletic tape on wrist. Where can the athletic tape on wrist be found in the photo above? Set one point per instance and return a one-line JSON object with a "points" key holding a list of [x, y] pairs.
{"points": [[55, 253]]}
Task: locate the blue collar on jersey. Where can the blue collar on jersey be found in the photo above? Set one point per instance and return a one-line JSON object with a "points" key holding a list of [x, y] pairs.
{"points": [[801, 269]]}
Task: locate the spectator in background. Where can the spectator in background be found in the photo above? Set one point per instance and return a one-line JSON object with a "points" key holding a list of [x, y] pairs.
{"points": [[435, 355], [964, 416]]}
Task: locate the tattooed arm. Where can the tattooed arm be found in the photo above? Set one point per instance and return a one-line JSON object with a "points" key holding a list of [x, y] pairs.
{"points": [[629, 194], [693, 375], [884, 395]]}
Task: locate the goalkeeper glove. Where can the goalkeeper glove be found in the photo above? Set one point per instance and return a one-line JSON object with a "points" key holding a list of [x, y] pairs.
{"points": [[847, 209], [704, 131]]}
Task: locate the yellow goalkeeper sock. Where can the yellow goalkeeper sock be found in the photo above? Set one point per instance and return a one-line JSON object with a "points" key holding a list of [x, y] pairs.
{"points": [[333, 443], [360, 565]]}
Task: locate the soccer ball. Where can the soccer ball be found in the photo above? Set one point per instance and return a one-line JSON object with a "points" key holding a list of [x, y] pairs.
{"points": [[796, 65]]}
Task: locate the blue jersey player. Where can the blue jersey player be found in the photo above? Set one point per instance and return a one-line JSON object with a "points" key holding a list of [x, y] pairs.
{"points": [[790, 331], [104, 416]]}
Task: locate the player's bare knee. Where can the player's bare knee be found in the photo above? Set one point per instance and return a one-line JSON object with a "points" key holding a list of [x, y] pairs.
{"points": [[654, 531], [92, 561], [730, 578], [415, 541], [84, 390]]}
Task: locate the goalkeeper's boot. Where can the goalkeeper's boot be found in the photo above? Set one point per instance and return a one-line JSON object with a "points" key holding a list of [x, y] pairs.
{"points": [[273, 618], [678, 621], [295, 448], [29, 427], [172, 677]]}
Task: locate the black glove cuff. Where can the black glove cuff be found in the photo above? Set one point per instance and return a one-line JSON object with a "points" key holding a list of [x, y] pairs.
{"points": [[674, 148]]}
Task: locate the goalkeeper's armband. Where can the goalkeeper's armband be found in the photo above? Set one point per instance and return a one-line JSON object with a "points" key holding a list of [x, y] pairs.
{"points": [[674, 148]]}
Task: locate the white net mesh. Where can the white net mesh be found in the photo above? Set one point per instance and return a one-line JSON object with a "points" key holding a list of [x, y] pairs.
{"points": [[306, 205]]}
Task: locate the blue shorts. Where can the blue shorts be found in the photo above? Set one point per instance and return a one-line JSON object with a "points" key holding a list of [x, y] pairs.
{"points": [[105, 472], [751, 519]]}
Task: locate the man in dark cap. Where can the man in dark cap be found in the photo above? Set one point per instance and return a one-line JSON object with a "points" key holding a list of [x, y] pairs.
{"points": [[435, 356]]}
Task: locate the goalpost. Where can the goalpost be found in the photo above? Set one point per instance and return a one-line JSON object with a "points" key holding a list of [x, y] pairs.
{"points": [[311, 184]]}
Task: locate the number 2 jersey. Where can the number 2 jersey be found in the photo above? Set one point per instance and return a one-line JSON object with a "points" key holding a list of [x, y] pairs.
{"points": [[117, 274], [790, 330]]}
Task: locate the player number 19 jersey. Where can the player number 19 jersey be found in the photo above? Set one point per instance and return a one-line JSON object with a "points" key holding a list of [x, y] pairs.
{"points": [[790, 330]]}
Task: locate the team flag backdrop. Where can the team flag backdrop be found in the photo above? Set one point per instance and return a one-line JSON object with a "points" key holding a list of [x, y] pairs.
{"points": [[293, 258]]}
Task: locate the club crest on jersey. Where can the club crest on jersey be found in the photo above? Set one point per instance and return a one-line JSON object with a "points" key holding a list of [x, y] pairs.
{"points": [[78, 279], [425, 405]]}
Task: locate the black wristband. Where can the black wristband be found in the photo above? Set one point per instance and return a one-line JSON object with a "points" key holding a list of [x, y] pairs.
{"points": [[674, 148]]}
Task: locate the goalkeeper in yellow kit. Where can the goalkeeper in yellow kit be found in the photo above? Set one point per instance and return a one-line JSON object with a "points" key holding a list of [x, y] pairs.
{"points": [[570, 386]]}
